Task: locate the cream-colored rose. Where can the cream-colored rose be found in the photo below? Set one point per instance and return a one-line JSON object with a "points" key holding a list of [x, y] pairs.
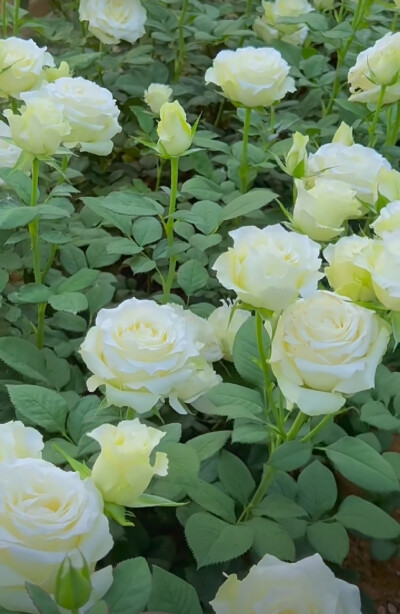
{"points": [[155, 96], [19, 441], [269, 267], [270, 27], [382, 260], [296, 158], [21, 65], [174, 133], [123, 470], [345, 277], [325, 348], [45, 514], [320, 211], [388, 184], [344, 135], [388, 219], [144, 352], [251, 77], [226, 321], [375, 67], [114, 20], [89, 109], [9, 153], [356, 165], [40, 126], [274, 586]]}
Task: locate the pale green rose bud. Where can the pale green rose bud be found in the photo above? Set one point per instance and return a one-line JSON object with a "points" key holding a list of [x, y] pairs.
{"points": [[155, 96], [382, 260], [123, 470], [175, 134], [52, 74], [344, 135], [73, 585], [388, 185], [296, 158], [388, 220], [226, 321], [40, 126]]}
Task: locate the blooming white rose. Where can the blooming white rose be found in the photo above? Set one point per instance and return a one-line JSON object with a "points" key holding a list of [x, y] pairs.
{"points": [[382, 260], [269, 268], [155, 96], [9, 153], [296, 158], [40, 126], [123, 471], [269, 27], [344, 276], [356, 165], [388, 219], [89, 109], [21, 65], [375, 67], [226, 321], [174, 133], [326, 347], [114, 20], [320, 211], [19, 441], [274, 586], [144, 352], [252, 77], [45, 514]]}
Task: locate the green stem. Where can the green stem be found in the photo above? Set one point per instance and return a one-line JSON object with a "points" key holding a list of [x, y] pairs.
{"points": [[296, 426], [393, 132], [268, 476], [35, 243], [160, 168], [181, 41], [64, 167], [325, 420], [249, 8], [219, 112], [4, 18], [243, 164], [169, 229], [16, 17], [372, 128]]}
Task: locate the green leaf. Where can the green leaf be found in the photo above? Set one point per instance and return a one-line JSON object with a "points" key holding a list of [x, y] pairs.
{"points": [[246, 356], [171, 594], [362, 465], [208, 444], [123, 245], [99, 296], [214, 541], [130, 590], [43, 602], [183, 468], [290, 455], [330, 540], [213, 500], [235, 477], [278, 506], [72, 302], [72, 258], [317, 489], [271, 538], [32, 293], [125, 203], [79, 281], [39, 406], [192, 276], [147, 500], [146, 230], [13, 216], [363, 516], [24, 358], [246, 203], [19, 182], [376, 414], [202, 189], [97, 255]]}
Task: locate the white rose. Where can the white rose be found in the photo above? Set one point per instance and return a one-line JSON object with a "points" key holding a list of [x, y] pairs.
{"points": [[155, 96], [123, 471], [39, 127], [252, 77], [144, 352], [382, 260], [375, 67], [388, 184], [388, 219], [225, 325], [269, 26], [21, 65], [274, 586], [114, 20], [358, 166], [326, 347], [9, 153], [320, 211], [269, 268], [345, 277], [45, 514], [89, 109], [19, 441], [174, 133]]}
